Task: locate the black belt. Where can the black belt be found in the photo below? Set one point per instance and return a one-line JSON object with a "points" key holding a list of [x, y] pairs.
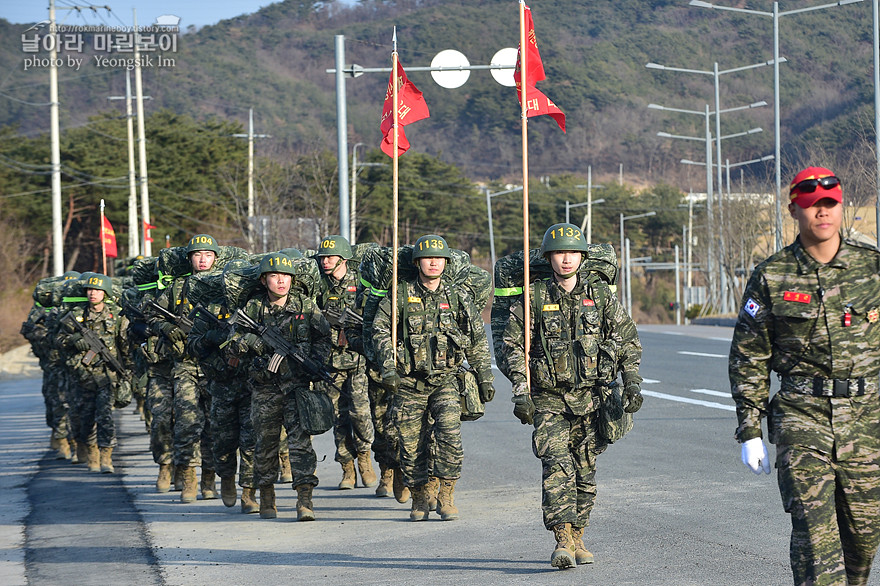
{"points": [[818, 386]]}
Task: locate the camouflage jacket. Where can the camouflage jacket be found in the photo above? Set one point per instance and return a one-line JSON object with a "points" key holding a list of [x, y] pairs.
{"points": [[111, 326], [174, 299], [436, 331], [299, 321], [579, 339], [337, 294], [214, 362], [794, 321]]}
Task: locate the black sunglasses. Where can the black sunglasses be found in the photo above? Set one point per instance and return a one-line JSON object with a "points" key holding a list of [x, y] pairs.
{"points": [[810, 185]]}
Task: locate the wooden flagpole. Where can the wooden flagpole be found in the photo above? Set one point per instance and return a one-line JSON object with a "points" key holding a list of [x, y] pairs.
{"points": [[395, 244], [103, 240], [527, 327]]}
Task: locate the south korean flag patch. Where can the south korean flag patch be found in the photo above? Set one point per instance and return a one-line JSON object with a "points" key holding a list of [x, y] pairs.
{"points": [[752, 307]]}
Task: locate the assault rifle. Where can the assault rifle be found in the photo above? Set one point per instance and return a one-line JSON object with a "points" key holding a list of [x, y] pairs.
{"points": [[96, 345], [281, 348], [202, 312], [339, 318], [184, 322]]}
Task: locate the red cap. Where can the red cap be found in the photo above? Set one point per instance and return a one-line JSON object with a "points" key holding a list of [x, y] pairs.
{"points": [[806, 200]]}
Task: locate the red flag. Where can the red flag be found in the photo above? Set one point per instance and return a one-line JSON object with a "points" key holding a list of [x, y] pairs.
{"points": [[537, 103], [411, 108], [109, 239], [147, 228]]}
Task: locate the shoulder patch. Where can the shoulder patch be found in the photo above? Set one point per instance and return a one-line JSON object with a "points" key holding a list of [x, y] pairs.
{"points": [[751, 307]]}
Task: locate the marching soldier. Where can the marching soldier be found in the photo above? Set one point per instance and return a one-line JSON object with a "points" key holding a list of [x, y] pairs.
{"points": [[437, 328], [570, 315]]}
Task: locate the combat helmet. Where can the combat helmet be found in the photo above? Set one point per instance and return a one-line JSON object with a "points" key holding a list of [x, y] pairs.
{"points": [[335, 245], [202, 242], [99, 281], [276, 263], [431, 246], [563, 237], [71, 275]]}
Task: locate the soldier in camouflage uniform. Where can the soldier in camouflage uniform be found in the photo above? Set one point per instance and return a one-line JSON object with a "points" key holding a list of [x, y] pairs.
{"points": [[810, 313], [190, 398], [273, 401], [572, 316], [437, 328], [353, 427], [96, 379], [230, 405]]}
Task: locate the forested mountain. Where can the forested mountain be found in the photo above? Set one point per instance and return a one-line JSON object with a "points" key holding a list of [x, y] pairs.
{"points": [[594, 54]]}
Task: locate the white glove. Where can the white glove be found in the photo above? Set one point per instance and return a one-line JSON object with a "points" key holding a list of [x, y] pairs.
{"points": [[754, 455]]}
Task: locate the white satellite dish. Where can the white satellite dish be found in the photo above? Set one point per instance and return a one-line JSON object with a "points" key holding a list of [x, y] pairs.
{"points": [[505, 57], [454, 78]]}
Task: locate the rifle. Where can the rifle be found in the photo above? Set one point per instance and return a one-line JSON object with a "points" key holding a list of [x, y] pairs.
{"points": [[339, 318], [280, 346], [96, 345], [204, 313], [184, 322]]}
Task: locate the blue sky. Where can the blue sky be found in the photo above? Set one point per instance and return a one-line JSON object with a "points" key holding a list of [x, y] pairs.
{"points": [[191, 12]]}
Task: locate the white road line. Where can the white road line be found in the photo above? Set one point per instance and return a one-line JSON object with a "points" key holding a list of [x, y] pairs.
{"points": [[711, 392], [687, 400], [702, 354]]}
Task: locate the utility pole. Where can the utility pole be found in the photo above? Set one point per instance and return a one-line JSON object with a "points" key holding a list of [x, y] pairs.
{"points": [[133, 233], [142, 147], [251, 208], [57, 235]]}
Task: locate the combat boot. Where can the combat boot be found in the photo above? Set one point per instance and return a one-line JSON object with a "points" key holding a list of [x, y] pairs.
{"points": [[63, 450], [431, 492], [267, 502], [563, 555], [94, 458], [446, 500], [208, 484], [286, 472], [386, 483], [73, 458], [365, 467], [163, 482], [190, 485], [228, 491], [304, 506], [582, 555], [107, 461], [348, 477], [139, 408], [82, 454], [53, 442], [419, 510], [249, 500], [179, 473], [401, 492]]}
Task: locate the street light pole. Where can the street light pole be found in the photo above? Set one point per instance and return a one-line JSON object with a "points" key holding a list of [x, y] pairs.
{"points": [[775, 16], [625, 258], [354, 170]]}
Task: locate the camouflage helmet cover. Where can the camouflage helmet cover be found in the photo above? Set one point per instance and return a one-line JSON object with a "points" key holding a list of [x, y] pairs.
{"points": [[431, 246], [276, 263], [335, 245], [563, 237], [98, 281], [202, 242]]}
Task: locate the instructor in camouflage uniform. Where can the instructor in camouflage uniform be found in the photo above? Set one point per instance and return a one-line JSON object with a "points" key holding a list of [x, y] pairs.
{"points": [[353, 426], [810, 313], [572, 316], [437, 327]]}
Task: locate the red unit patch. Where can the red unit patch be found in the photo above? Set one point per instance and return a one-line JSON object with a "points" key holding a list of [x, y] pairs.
{"points": [[444, 306], [798, 297], [589, 302], [352, 288]]}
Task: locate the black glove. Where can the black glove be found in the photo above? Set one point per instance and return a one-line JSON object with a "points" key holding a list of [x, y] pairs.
{"points": [[524, 409], [172, 332], [215, 337], [81, 345], [391, 381], [632, 398], [487, 392]]}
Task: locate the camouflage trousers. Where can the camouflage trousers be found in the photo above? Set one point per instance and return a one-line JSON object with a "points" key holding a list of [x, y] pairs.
{"points": [[160, 403], [95, 408], [830, 486], [384, 444], [419, 455], [192, 444], [273, 405], [353, 429], [567, 446], [55, 384], [233, 432]]}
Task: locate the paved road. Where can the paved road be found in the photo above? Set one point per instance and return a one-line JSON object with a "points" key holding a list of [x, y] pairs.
{"points": [[676, 506]]}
